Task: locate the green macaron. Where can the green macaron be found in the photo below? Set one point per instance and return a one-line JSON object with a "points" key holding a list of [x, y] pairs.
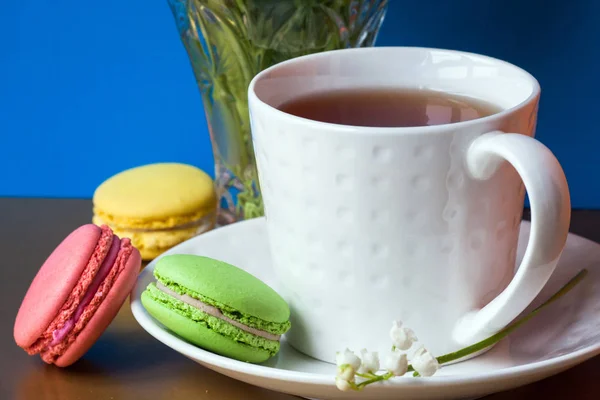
{"points": [[217, 307]]}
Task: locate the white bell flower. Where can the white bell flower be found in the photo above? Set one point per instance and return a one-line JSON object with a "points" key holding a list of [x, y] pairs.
{"points": [[346, 373], [396, 363], [342, 384], [424, 362], [347, 357], [402, 338], [370, 362]]}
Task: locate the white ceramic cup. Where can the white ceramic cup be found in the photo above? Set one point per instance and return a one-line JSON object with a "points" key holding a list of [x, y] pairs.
{"points": [[368, 225]]}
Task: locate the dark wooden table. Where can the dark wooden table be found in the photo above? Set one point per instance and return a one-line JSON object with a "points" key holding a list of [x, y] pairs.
{"points": [[126, 362]]}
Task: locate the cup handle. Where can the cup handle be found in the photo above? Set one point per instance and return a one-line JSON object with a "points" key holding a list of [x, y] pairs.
{"points": [[550, 203]]}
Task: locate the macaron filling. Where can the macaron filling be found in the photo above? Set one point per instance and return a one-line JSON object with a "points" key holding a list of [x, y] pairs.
{"points": [[215, 312], [277, 328], [200, 222], [153, 241], [217, 325], [59, 334]]}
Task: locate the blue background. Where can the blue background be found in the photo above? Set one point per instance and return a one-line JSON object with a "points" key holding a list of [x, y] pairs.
{"points": [[88, 89]]}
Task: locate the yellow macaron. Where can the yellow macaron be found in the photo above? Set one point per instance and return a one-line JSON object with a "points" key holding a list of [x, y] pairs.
{"points": [[157, 206]]}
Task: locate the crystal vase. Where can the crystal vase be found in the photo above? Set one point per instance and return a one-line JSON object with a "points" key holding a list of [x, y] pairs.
{"points": [[230, 41]]}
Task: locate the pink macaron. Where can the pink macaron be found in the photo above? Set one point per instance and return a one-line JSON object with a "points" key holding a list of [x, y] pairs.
{"points": [[76, 294]]}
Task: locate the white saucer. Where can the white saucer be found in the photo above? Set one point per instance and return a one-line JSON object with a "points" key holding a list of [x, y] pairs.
{"points": [[562, 336]]}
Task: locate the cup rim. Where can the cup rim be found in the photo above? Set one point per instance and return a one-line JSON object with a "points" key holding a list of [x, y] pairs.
{"points": [[535, 93]]}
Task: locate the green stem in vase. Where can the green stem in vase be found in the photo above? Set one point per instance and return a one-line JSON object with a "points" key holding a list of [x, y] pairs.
{"points": [[229, 84], [231, 73], [250, 204], [229, 41]]}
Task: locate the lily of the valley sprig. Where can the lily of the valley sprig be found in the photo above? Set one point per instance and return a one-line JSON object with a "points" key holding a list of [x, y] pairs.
{"points": [[395, 363], [355, 372]]}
